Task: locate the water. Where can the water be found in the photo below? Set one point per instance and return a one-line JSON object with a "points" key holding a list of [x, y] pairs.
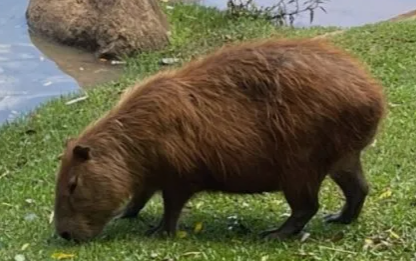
{"points": [[33, 70]]}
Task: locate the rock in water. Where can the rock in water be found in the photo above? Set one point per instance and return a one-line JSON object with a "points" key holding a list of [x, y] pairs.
{"points": [[110, 28]]}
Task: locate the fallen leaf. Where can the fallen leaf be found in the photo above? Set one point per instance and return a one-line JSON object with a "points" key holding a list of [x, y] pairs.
{"points": [[199, 205], [61, 256], [25, 246], [198, 227], [76, 100], [386, 194], [393, 234], [19, 257], [51, 216], [181, 234], [264, 258], [368, 243], [305, 236], [191, 253]]}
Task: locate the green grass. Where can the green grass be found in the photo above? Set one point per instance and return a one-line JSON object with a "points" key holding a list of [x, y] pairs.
{"points": [[29, 147]]}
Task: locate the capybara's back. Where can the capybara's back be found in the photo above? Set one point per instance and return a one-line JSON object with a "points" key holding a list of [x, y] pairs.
{"points": [[254, 117]]}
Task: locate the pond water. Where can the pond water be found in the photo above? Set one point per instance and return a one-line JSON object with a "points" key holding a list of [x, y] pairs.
{"points": [[33, 70]]}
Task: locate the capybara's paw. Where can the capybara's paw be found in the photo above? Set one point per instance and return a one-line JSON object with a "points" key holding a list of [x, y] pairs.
{"points": [[337, 218], [160, 230], [128, 214], [155, 231]]}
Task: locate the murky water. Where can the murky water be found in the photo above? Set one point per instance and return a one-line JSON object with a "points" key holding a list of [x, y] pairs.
{"points": [[33, 70]]}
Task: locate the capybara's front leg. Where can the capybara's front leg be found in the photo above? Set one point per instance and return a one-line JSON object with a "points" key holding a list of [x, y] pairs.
{"points": [[348, 174], [174, 199], [137, 203], [303, 201]]}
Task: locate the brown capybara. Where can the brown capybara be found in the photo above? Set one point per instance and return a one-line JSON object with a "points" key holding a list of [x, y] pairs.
{"points": [[260, 116]]}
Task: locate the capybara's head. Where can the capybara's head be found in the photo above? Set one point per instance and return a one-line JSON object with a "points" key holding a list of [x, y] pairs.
{"points": [[87, 193]]}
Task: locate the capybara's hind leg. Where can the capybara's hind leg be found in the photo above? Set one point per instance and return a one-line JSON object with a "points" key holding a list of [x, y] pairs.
{"points": [[303, 201], [174, 199], [348, 174], [137, 203]]}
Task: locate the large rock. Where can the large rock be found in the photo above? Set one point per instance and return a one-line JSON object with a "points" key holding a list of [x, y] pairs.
{"points": [[110, 28]]}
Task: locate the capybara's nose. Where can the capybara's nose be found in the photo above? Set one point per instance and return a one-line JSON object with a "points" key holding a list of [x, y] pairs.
{"points": [[65, 235]]}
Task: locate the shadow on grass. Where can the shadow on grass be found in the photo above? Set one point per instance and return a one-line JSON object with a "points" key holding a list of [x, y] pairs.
{"points": [[218, 228]]}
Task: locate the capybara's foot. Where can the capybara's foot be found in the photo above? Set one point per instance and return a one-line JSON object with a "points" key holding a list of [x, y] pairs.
{"points": [[153, 231], [337, 218], [128, 214], [159, 230], [276, 234]]}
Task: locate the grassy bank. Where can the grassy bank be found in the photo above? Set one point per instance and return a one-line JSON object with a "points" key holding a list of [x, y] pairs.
{"points": [[385, 231]]}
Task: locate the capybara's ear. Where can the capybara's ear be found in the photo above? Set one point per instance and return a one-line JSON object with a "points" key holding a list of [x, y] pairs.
{"points": [[82, 152]]}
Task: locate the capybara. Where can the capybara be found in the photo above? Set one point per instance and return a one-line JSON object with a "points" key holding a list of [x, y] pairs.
{"points": [[259, 116]]}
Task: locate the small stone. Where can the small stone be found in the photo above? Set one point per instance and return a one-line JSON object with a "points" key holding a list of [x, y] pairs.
{"points": [[168, 61], [114, 62], [29, 201]]}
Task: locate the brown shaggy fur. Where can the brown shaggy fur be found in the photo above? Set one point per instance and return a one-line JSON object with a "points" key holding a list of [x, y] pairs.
{"points": [[261, 116]]}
